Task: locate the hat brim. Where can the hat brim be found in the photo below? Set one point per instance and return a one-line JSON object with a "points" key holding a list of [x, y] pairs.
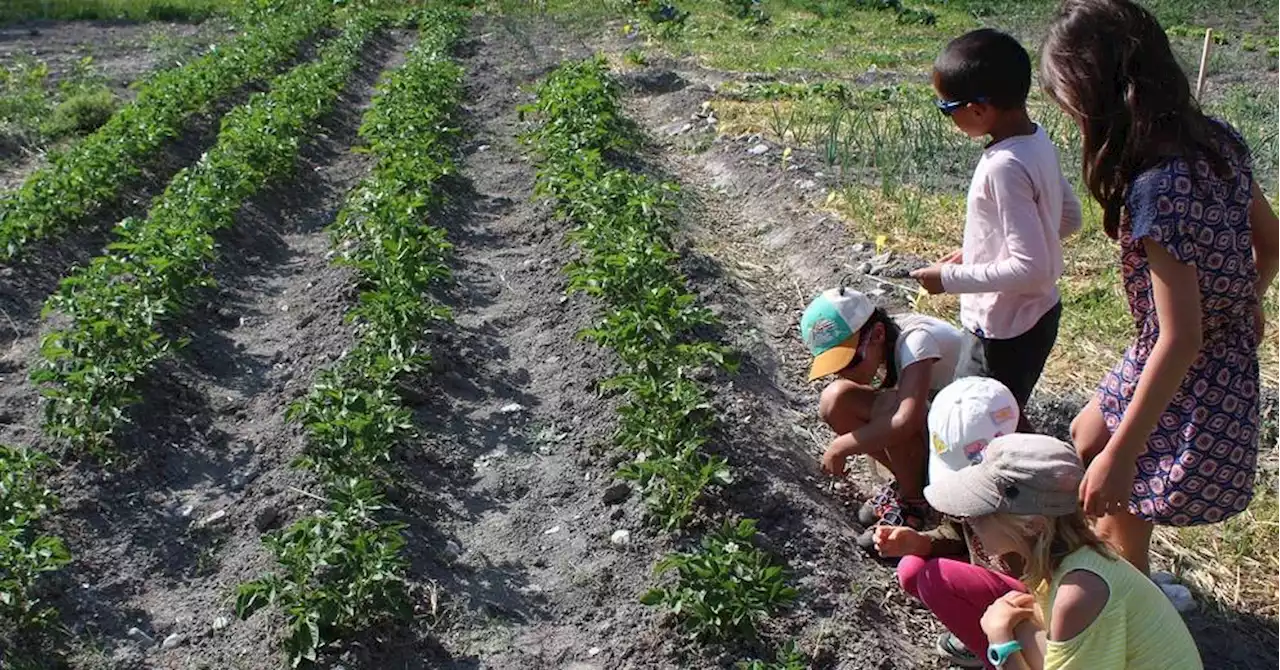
{"points": [[834, 359], [968, 492]]}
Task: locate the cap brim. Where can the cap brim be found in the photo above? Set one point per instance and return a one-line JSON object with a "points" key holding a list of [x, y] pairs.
{"points": [[834, 359], [964, 493]]}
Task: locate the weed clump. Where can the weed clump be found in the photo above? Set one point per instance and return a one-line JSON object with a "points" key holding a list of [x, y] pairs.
{"points": [[81, 113]]}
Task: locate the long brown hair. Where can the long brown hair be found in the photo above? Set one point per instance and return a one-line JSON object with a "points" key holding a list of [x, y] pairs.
{"points": [[1042, 542], [1108, 64]]}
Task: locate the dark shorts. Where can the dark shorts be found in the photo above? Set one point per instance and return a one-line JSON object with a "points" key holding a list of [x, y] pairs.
{"points": [[1016, 362]]}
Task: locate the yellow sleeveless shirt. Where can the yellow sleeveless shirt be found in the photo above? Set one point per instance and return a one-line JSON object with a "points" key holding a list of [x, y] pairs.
{"points": [[1138, 629]]}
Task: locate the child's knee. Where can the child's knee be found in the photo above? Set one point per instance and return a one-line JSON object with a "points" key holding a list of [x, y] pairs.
{"points": [[841, 406], [909, 570]]}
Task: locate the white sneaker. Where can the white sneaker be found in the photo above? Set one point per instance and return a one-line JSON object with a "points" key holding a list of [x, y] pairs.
{"points": [[1180, 596]]}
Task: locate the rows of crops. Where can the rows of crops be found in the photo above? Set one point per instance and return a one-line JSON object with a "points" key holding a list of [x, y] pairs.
{"points": [[94, 171], [116, 303], [624, 222], [90, 368], [342, 569]]}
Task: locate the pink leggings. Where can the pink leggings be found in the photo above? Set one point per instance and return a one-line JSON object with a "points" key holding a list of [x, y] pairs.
{"points": [[957, 592]]}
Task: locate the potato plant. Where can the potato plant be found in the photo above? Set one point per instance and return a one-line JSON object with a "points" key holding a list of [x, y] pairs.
{"points": [[623, 223], [724, 589], [25, 552], [93, 172], [90, 368], [341, 570]]}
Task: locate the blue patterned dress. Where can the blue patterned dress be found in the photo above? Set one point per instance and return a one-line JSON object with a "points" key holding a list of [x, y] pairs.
{"points": [[1199, 463]]}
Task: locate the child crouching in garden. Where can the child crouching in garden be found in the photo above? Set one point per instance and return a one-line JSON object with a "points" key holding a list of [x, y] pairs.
{"points": [[912, 355], [946, 568], [1085, 609]]}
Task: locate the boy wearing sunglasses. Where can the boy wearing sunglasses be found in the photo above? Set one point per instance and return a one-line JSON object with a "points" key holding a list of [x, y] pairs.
{"points": [[1020, 207]]}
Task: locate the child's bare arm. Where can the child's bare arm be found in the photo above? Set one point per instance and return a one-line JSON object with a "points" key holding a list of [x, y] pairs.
{"points": [[1072, 216], [1266, 239]]}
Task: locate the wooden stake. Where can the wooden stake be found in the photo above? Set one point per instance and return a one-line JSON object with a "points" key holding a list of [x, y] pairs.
{"points": [[1204, 60]]}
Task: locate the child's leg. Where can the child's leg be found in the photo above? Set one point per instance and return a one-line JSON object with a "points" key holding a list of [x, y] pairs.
{"points": [[1089, 432], [1130, 535], [846, 406], [957, 592], [909, 461], [1018, 362]]}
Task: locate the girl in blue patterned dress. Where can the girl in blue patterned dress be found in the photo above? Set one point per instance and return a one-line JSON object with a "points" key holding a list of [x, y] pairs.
{"points": [[1171, 437]]}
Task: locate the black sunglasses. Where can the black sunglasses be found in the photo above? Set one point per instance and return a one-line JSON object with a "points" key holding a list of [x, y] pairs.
{"points": [[949, 107]]}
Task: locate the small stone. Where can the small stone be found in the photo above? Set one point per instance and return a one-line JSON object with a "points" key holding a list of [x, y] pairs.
{"points": [[511, 408], [284, 307], [220, 623], [620, 538], [452, 551], [139, 636], [186, 510], [860, 248], [551, 531], [482, 147], [864, 268], [806, 184], [712, 120], [172, 641], [213, 518], [265, 518], [617, 493], [1180, 596], [758, 149], [594, 651]]}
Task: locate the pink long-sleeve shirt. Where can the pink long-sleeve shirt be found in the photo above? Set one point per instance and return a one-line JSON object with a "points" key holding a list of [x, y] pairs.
{"points": [[1020, 207]]}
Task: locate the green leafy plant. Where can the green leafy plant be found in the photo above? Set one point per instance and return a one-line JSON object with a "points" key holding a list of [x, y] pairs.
{"points": [[23, 100], [723, 589], [789, 657], [752, 10], [81, 113], [342, 571], [25, 553], [623, 223], [94, 171], [90, 368]]}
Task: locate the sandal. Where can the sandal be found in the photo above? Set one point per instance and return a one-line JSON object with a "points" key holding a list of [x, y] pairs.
{"points": [[951, 648]]}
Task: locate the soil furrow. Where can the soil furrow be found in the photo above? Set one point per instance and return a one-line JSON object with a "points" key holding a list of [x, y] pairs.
{"points": [[525, 563]]}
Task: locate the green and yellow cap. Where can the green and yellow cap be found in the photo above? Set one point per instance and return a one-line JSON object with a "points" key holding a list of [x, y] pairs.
{"points": [[830, 328]]}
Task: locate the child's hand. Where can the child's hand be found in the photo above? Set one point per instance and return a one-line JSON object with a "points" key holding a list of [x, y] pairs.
{"points": [[1108, 483], [833, 460], [1006, 613], [956, 256], [930, 278], [895, 541]]}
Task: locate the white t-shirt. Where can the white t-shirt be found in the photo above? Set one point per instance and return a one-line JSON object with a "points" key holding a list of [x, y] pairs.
{"points": [[926, 338]]}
